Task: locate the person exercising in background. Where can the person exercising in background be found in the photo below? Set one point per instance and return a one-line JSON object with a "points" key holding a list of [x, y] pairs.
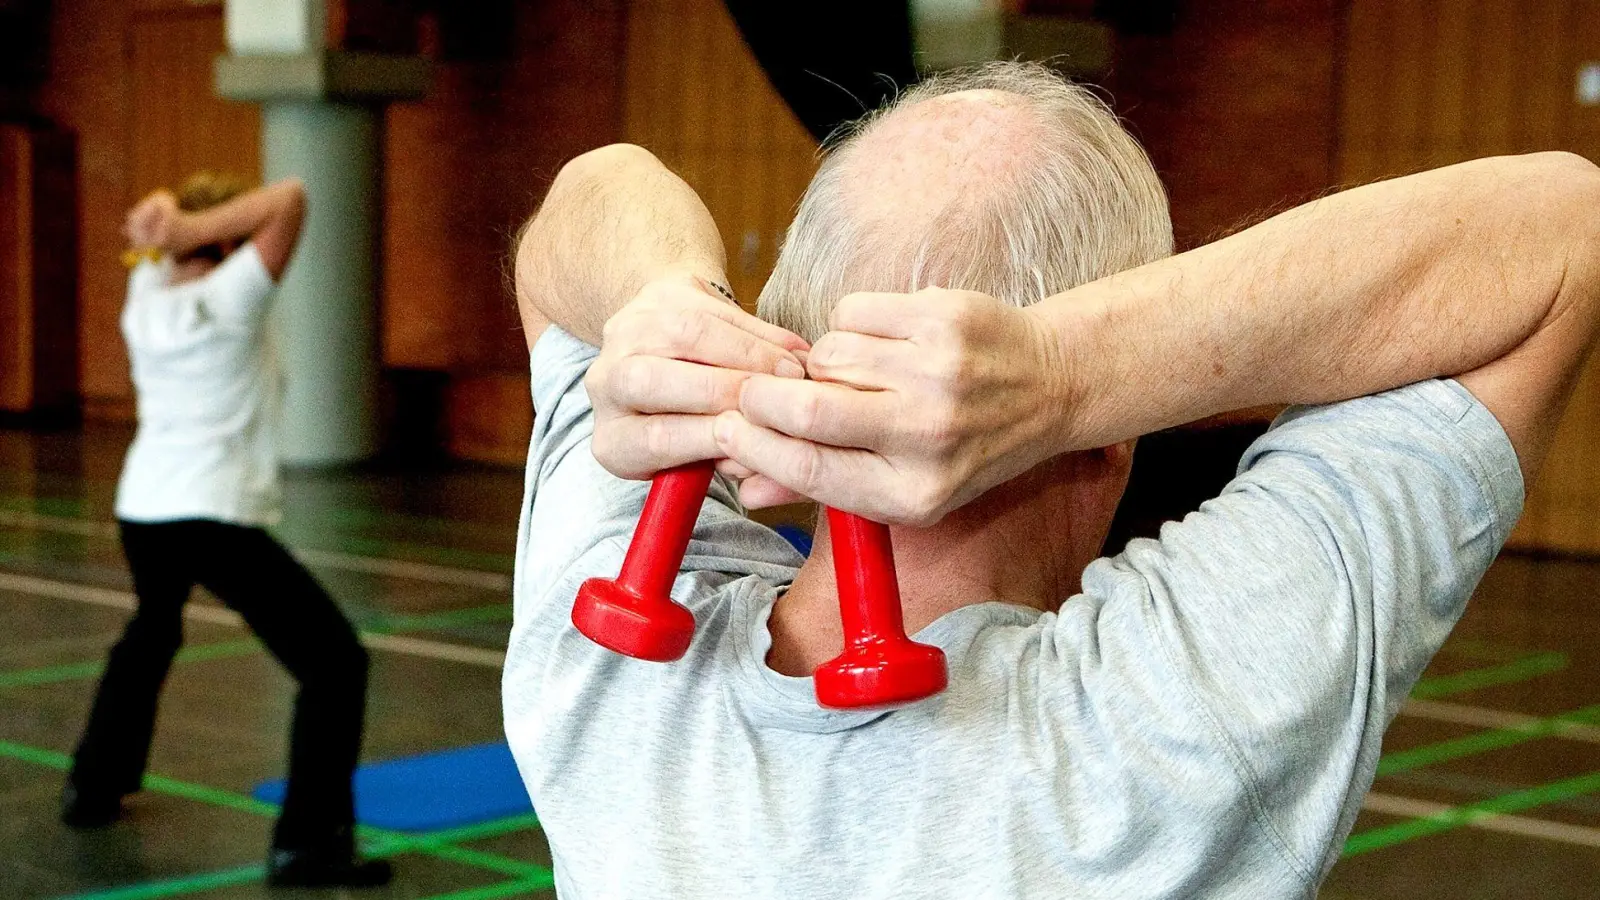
{"points": [[198, 488]]}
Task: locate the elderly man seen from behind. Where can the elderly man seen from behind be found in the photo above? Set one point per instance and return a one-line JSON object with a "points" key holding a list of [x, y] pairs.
{"points": [[978, 284]]}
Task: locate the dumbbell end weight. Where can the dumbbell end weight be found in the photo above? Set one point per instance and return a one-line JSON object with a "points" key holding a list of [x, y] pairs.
{"points": [[881, 673], [656, 630]]}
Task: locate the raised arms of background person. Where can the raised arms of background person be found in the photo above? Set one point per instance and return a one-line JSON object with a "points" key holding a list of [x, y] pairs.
{"points": [[269, 216], [621, 255], [1488, 271]]}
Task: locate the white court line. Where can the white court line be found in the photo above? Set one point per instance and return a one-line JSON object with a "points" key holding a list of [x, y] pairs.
{"points": [[371, 565], [1478, 717], [1542, 829], [393, 643]]}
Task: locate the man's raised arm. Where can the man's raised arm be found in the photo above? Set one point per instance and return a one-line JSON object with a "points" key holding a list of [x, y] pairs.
{"points": [[1488, 270], [624, 256], [614, 220]]}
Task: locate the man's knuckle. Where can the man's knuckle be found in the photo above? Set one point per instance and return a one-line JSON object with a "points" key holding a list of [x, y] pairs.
{"points": [[807, 470], [658, 438], [808, 413]]}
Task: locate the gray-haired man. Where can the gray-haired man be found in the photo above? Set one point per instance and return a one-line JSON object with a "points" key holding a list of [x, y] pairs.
{"points": [[1198, 716]]}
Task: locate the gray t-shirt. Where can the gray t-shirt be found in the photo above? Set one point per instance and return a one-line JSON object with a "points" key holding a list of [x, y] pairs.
{"points": [[1201, 721]]}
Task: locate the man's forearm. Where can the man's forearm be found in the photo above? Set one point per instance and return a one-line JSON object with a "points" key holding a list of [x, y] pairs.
{"points": [[614, 219], [1432, 275]]}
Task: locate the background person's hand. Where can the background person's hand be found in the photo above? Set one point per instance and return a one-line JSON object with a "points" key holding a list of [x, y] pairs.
{"points": [[670, 360], [920, 403], [153, 223]]}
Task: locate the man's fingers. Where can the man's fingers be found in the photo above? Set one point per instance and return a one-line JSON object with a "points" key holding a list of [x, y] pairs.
{"points": [[709, 338], [880, 315], [638, 447], [818, 411], [761, 328], [760, 492], [861, 360], [833, 475], [734, 470], [656, 384]]}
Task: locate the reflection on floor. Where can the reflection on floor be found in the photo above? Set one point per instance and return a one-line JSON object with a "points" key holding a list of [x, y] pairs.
{"points": [[1490, 785]]}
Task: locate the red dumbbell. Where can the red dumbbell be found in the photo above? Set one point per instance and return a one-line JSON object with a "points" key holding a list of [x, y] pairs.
{"points": [[880, 666], [635, 614]]}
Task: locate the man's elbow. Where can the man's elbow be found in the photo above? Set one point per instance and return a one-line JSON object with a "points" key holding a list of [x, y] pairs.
{"points": [[603, 162]]}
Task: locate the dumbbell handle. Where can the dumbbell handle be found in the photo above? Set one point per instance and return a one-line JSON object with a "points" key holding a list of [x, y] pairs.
{"points": [[662, 536], [869, 592], [880, 665]]}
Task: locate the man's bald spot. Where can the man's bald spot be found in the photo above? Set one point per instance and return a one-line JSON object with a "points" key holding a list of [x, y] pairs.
{"points": [[918, 161]]}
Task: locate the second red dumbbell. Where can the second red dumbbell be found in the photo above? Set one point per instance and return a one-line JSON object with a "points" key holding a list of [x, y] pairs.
{"points": [[880, 665]]}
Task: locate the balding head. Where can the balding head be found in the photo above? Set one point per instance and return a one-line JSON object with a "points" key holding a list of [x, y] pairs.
{"points": [[1003, 179]]}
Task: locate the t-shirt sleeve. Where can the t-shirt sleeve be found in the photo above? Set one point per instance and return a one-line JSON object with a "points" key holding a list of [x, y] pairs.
{"points": [[238, 288], [1291, 616], [578, 518], [147, 275]]}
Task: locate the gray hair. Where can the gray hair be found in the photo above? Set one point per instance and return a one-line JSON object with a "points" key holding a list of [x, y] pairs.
{"points": [[1082, 202]]}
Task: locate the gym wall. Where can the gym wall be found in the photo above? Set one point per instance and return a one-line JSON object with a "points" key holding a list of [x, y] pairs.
{"points": [[1245, 107]]}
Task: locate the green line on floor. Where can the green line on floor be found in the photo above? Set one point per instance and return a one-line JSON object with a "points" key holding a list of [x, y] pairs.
{"points": [[176, 887], [491, 861], [45, 506], [464, 833], [1524, 669], [92, 669], [422, 843], [504, 889], [1456, 817], [449, 618], [1485, 651], [51, 674], [38, 757], [1485, 741]]}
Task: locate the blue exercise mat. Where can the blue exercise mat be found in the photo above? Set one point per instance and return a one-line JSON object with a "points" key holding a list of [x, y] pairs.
{"points": [[461, 786]]}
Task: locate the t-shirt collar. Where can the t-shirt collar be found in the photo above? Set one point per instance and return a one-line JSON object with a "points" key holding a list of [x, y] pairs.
{"points": [[774, 700]]}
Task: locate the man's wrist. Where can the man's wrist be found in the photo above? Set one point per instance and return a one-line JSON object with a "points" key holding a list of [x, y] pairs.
{"points": [[710, 276], [1065, 372]]}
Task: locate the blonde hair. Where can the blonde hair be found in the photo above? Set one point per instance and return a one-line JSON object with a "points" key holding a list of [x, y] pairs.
{"points": [[1081, 202], [202, 191]]}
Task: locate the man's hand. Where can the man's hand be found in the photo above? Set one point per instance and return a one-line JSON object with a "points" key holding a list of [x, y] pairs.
{"points": [[920, 403], [670, 361], [154, 222]]}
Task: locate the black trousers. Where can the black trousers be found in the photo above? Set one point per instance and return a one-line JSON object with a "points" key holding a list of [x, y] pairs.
{"points": [[296, 620]]}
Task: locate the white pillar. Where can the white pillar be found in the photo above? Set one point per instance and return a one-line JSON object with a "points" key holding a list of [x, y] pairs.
{"points": [[326, 311]]}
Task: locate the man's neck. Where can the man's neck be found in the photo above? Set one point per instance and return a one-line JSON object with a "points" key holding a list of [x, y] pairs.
{"points": [[939, 569], [1025, 542]]}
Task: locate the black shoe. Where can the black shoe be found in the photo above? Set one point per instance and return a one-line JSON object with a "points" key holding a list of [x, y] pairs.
{"points": [[83, 809], [311, 868]]}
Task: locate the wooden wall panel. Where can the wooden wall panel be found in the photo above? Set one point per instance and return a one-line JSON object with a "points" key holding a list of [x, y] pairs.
{"points": [[88, 93], [469, 162], [1440, 81], [16, 270], [178, 125], [696, 97], [1236, 106]]}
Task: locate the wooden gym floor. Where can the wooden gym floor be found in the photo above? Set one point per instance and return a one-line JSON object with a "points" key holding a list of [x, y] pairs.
{"points": [[1489, 788]]}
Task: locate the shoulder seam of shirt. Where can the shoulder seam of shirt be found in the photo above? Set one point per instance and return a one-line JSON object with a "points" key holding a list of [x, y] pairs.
{"points": [[1241, 769]]}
